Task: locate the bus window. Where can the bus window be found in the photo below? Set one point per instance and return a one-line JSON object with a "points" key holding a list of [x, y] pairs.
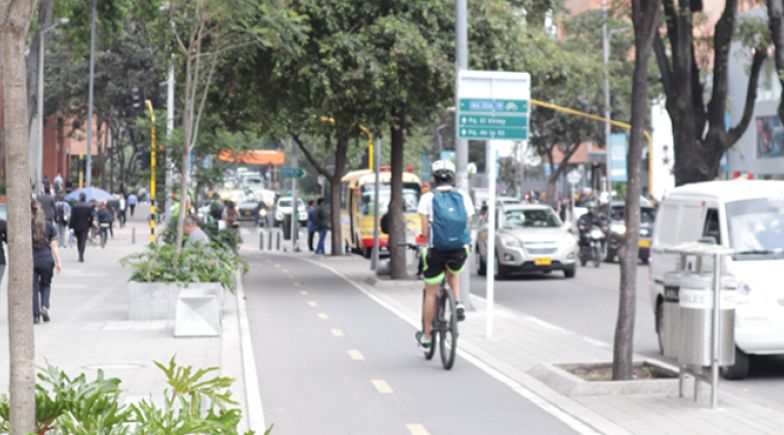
{"points": [[410, 199]]}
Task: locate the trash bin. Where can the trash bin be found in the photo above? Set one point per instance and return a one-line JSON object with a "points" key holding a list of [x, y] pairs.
{"points": [[696, 307], [287, 226], [670, 326]]}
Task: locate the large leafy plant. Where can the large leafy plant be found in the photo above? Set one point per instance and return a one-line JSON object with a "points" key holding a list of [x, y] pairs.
{"points": [[195, 263]]}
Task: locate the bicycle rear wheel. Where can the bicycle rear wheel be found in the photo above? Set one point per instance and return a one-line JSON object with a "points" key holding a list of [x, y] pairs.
{"points": [[447, 334]]}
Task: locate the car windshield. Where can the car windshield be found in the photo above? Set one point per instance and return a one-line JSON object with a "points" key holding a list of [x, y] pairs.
{"points": [[647, 214], [410, 198], [283, 203], [756, 227], [536, 218]]}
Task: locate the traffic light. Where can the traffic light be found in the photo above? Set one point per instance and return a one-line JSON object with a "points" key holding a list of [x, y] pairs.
{"points": [[137, 98]]}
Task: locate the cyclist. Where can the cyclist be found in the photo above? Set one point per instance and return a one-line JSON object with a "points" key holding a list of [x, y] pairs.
{"points": [[445, 213]]}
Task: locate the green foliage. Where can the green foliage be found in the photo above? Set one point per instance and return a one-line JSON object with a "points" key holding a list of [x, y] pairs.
{"points": [[194, 263], [194, 403]]}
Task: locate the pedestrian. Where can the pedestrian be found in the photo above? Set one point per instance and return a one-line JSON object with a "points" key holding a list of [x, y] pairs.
{"points": [[105, 218], [45, 182], [483, 211], [121, 217], [311, 223], [322, 224], [132, 201], [62, 213], [81, 221], [46, 259], [58, 183], [46, 200], [191, 229], [230, 215]]}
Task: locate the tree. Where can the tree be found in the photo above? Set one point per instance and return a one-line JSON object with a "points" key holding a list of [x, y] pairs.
{"points": [[645, 18], [776, 25], [700, 134], [15, 16]]}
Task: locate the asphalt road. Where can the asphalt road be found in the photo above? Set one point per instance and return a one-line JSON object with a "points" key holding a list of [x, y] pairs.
{"points": [[332, 361], [588, 305]]}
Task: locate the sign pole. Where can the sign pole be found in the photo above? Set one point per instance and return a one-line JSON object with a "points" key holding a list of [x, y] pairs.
{"points": [[152, 173], [294, 204], [491, 263], [461, 144]]}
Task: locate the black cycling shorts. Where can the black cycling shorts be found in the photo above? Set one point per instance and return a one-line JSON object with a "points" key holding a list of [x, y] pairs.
{"points": [[435, 263]]}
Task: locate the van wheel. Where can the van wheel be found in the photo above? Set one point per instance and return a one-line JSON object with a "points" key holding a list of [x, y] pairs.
{"points": [[740, 369]]}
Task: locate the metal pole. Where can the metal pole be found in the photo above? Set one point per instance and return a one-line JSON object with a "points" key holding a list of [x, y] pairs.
{"points": [[90, 96], [169, 128], [39, 158], [490, 267], [294, 205], [152, 173], [607, 114], [715, 335], [461, 148], [376, 188]]}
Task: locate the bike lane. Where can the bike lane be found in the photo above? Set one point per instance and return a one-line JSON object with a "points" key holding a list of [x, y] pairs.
{"points": [[332, 361]]}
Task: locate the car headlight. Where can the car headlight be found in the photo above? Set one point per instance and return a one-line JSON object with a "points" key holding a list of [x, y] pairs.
{"points": [[645, 232], [510, 242], [618, 228]]}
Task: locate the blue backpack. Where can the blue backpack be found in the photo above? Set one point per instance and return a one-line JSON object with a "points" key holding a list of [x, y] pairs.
{"points": [[450, 222]]}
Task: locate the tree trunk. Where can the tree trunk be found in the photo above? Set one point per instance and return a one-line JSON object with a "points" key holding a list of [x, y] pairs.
{"points": [[45, 17], [397, 221], [645, 17], [14, 25], [334, 190], [776, 24]]}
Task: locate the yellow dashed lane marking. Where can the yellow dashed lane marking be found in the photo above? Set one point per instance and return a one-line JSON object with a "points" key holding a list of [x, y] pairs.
{"points": [[356, 355], [303, 292], [285, 270], [382, 386], [417, 429], [277, 265], [312, 303], [323, 316], [336, 332]]}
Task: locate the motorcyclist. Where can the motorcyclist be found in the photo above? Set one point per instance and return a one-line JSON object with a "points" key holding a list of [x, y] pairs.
{"points": [[590, 220]]}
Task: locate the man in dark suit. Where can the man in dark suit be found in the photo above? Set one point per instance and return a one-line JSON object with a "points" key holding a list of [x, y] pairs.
{"points": [[81, 222]]}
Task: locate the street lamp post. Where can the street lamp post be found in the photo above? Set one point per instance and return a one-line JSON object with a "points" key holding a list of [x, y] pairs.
{"points": [[89, 164], [606, 38], [41, 52]]}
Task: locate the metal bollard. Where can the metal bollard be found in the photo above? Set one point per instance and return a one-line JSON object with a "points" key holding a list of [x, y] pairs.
{"points": [[133, 235]]}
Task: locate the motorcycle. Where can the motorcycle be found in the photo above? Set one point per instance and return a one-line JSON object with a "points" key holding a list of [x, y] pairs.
{"points": [[262, 219], [593, 246]]}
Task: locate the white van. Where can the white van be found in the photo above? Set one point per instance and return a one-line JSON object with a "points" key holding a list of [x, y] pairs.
{"points": [[748, 217]]}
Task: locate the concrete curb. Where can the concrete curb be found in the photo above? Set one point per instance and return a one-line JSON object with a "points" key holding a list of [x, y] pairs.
{"points": [[255, 410], [570, 385]]}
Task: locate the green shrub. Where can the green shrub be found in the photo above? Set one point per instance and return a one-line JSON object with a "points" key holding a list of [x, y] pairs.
{"points": [[194, 263], [193, 404]]}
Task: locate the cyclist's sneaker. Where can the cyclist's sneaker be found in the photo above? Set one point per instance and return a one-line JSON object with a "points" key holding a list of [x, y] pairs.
{"points": [[460, 308], [424, 343]]}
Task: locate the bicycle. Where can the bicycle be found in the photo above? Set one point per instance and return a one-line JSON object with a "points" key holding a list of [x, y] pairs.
{"points": [[444, 327]]}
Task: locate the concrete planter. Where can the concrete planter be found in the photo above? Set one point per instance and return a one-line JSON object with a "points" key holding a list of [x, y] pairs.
{"points": [[158, 300], [566, 383]]}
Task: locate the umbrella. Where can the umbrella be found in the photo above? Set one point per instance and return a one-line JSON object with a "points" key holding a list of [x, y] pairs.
{"points": [[91, 193]]}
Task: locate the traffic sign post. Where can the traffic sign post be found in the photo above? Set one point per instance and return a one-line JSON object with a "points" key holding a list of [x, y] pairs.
{"points": [[573, 177], [492, 106], [292, 172]]}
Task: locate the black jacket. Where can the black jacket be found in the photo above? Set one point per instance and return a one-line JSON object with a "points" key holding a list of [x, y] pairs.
{"points": [[81, 217]]}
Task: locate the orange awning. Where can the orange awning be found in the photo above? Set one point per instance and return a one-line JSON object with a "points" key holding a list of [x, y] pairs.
{"points": [[254, 157]]}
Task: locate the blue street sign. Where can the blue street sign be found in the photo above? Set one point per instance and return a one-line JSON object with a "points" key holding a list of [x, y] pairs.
{"points": [[618, 151]]}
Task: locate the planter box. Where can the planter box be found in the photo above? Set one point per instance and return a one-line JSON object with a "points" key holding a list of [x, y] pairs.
{"points": [[158, 300], [562, 380]]}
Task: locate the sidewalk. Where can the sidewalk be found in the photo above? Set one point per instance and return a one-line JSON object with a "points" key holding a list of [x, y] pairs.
{"points": [[90, 329], [520, 342]]}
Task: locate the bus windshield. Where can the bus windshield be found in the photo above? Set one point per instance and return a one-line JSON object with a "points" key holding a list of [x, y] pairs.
{"points": [[410, 198]]}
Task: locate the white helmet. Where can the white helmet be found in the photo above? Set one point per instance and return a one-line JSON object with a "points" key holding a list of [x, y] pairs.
{"points": [[443, 171]]}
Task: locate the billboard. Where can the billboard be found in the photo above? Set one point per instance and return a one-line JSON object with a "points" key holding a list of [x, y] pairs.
{"points": [[770, 137], [618, 150]]}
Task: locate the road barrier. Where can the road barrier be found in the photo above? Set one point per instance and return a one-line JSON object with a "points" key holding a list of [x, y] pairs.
{"points": [[271, 239]]}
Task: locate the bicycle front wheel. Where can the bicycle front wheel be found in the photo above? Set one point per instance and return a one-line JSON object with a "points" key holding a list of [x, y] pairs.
{"points": [[447, 335]]}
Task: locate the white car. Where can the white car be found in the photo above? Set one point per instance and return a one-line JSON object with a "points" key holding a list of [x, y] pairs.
{"points": [[283, 207], [748, 217], [529, 238]]}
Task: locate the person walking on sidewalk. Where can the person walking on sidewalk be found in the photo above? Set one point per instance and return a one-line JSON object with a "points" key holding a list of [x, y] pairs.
{"points": [[105, 218], [3, 240], [46, 201], [322, 225], [445, 213], [121, 216], [311, 223], [132, 201], [81, 222], [46, 259], [62, 212]]}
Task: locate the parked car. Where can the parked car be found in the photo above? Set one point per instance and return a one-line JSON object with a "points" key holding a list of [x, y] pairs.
{"points": [[616, 219], [529, 238], [746, 216], [283, 207]]}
